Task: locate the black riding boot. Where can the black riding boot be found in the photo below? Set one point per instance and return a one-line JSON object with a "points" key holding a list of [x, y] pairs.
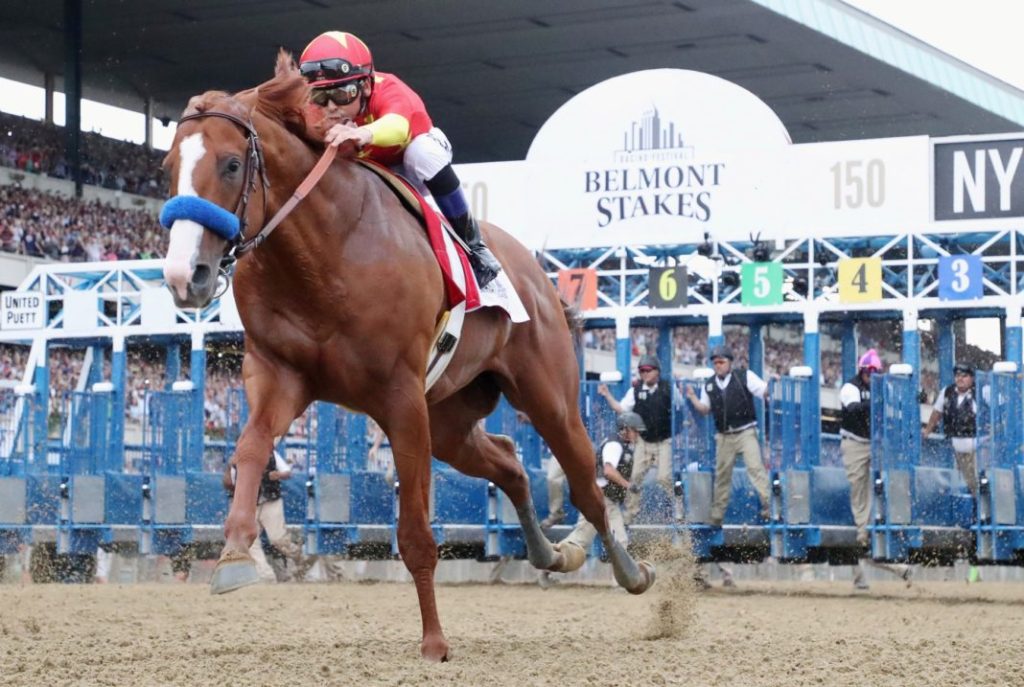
{"points": [[481, 259]]}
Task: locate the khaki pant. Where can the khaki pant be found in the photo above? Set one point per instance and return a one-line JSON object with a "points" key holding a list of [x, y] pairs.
{"points": [[583, 534], [270, 518], [556, 484], [857, 461], [729, 446], [966, 464], [645, 455]]}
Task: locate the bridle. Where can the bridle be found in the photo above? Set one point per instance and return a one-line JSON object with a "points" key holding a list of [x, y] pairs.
{"points": [[256, 171]]}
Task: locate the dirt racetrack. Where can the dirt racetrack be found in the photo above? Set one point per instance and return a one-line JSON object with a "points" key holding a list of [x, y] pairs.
{"points": [[366, 634]]}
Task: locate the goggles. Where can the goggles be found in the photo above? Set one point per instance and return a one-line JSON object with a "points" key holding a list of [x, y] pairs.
{"points": [[327, 70], [646, 369], [339, 95]]}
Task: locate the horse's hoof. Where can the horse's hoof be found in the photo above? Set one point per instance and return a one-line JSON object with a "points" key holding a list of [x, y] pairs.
{"points": [[435, 650], [648, 572], [231, 575], [571, 557]]}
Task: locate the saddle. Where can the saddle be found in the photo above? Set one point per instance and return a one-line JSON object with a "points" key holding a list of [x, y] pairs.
{"points": [[461, 291], [457, 288]]}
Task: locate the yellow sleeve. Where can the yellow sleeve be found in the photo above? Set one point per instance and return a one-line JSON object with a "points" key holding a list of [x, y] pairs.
{"points": [[390, 130]]}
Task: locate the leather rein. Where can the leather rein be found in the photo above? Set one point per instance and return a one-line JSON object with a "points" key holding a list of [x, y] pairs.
{"points": [[255, 170]]}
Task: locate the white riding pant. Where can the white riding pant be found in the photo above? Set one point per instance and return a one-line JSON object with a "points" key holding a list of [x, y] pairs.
{"points": [[426, 155]]}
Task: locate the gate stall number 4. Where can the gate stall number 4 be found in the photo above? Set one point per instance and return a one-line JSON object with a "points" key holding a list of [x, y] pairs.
{"points": [[960, 277], [860, 280]]}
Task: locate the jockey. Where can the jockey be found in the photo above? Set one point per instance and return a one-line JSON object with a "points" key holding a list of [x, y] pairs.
{"points": [[389, 124]]}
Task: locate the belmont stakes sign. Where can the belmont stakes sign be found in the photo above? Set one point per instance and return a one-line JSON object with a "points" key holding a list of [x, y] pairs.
{"points": [[648, 157], [665, 156], [655, 151]]}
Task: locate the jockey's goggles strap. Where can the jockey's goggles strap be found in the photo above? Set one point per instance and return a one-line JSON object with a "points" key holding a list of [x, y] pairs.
{"points": [[203, 212], [330, 69]]}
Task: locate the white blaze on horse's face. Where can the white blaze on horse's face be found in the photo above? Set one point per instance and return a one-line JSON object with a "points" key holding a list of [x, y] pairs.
{"points": [[186, 235]]}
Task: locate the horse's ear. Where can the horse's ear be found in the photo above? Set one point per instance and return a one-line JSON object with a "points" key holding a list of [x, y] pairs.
{"points": [[195, 104], [285, 66]]}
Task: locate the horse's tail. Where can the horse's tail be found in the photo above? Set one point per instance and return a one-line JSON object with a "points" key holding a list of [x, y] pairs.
{"points": [[574, 319]]}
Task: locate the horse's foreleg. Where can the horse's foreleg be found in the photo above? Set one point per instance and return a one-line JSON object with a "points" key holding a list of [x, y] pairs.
{"points": [[236, 568], [407, 428], [275, 400]]}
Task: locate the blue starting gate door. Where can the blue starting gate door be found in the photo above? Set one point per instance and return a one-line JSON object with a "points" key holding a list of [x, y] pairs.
{"points": [[348, 504], [917, 507], [999, 522], [693, 462], [810, 501], [895, 448], [99, 500], [183, 498], [29, 484]]}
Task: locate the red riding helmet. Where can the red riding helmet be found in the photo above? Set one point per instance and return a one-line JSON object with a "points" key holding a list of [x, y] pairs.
{"points": [[335, 57]]}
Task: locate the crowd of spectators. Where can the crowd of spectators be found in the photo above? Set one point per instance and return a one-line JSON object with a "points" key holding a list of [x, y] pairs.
{"points": [[60, 229], [35, 146]]}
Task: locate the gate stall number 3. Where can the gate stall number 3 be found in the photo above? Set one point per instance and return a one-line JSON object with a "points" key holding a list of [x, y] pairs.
{"points": [[960, 277]]}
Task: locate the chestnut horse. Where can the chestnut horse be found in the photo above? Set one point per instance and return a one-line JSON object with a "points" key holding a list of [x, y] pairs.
{"points": [[340, 304]]}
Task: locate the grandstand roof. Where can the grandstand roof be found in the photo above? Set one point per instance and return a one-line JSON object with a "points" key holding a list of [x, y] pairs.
{"points": [[492, 72]]}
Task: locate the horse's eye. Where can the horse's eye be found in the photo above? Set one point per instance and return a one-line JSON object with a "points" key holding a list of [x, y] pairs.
{"points": [[234, 165]]}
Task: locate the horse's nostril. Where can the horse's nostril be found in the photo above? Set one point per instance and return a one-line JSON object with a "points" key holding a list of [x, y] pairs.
{"points": [[201, 277]]}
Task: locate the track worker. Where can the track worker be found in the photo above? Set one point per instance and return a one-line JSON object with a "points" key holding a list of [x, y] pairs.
{"points": [[957, 407], [729, 398], [855, 442], [651, 398], [614, 463], [388, 123]]}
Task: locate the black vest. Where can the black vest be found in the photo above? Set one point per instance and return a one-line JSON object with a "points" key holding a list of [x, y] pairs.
{"points": [[613, 491], [270, 489], [655, 407], [857, 416], [732, 407], [959, 419]]}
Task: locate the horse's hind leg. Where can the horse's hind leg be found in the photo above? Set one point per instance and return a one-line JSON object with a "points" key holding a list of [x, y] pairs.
{"points": [[458, 440], [549, 396]]}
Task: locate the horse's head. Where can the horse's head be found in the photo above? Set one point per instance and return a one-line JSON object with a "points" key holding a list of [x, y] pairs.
{"points": [[216, 167], [212, 169]]}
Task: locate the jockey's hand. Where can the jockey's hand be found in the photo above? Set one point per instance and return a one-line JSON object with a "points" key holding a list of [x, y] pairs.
{"points": [[340, 133]]}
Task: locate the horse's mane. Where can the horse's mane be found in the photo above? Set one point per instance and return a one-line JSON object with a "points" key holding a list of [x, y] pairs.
{"points": [[283, 97]]}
